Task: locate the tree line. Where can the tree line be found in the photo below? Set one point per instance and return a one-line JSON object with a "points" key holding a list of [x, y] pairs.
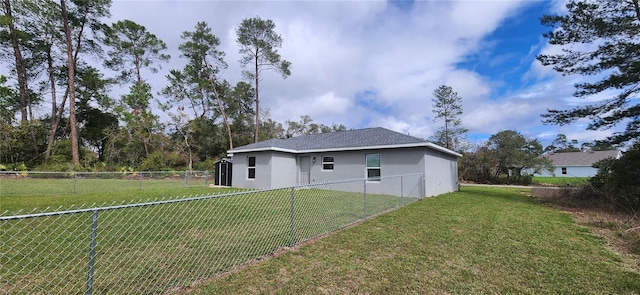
{"points": [[56, 111]]}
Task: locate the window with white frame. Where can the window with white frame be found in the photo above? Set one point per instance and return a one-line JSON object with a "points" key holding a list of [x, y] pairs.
{"points": [[251, 167], [373, 167], [327, 163]]}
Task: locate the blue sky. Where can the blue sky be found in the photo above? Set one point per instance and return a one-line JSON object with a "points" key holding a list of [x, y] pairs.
{"points": [[376, 63]]}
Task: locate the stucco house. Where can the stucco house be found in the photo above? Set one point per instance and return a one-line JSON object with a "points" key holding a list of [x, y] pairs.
{"points": [[578, 164], [371, 153]]}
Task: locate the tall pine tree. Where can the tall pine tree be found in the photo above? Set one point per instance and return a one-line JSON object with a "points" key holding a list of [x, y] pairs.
{"points": [[600, 39], [447, 105]]}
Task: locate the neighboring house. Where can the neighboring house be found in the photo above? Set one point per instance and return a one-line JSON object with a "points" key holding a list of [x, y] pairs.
{"points": [[578, 164], [371, 153]]}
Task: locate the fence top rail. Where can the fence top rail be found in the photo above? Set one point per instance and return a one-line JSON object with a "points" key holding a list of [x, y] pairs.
{"points": [[189, 199], [358, 179], [181, 172]]}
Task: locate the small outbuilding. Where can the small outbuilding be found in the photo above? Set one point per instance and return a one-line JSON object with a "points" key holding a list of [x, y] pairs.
{"points": [[371, 154], [578, 164], [223, 173]]}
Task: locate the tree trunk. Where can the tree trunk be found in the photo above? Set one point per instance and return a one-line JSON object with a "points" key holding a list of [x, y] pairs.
{"points": [[224, 114], [54, 105], [55, 122], [75, 153], [257, 100], [20, 68]]}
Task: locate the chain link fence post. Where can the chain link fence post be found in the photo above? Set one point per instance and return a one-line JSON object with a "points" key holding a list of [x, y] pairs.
{"points": [[424, 185], [206, 178], [92, 251], [401, 189], [75, 181], [364, 196], [186, 178], [292, 216]]}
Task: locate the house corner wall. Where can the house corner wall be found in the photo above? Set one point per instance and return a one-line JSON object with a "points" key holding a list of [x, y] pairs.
{"points": [[441, 173]]}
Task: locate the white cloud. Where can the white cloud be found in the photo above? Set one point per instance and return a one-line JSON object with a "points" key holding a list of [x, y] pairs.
{"points": [[371, 63], [342, 49]]}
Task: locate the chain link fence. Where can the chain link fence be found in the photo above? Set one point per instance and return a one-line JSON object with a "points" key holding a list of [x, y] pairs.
{"points": [[26, 183], [164, 246]]}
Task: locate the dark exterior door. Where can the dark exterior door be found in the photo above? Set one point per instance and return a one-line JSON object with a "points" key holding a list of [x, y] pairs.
{"points": [[223, 173]]}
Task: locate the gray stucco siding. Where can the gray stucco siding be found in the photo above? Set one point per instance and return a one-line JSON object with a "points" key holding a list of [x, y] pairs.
{"points": [[352, 165], [263, 170], [281, 169], [441, 173]]}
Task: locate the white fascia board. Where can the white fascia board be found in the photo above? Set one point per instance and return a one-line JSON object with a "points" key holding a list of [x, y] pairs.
{"points": [[380, 147], [377, 147], [262, 149], [444, 150]]}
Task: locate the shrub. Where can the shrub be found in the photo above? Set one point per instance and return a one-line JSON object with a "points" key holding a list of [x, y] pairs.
{"points": [[617, 181]]}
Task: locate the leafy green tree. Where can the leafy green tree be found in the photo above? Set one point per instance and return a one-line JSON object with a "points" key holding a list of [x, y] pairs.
{"points": [[15, 37], [49, 52], [447, 105], [237, 106], [477, 164], [306, 126], [514, 155], [599, 38], [75, 151], [270, 129], [75, 19], [617, 181], [9, 104], [198, 83], [141, 124], [258, 47], [132, 49], [94, 109], [599, 145], [562, 145]]}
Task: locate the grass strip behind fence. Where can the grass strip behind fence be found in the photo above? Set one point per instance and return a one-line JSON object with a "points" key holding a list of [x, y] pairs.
{"points": [[560, 181], [98, 193], [477, 241]]}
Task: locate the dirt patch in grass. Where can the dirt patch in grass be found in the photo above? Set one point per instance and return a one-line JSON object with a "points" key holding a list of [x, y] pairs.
{"points": [[619, 230]]}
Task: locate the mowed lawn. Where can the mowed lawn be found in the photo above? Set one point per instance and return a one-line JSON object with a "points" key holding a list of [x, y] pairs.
{"points": [[153, 249], [27, 194], [477, 241]]}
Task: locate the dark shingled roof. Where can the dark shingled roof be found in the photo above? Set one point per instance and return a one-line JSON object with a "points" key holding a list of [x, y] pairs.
{"points": [[581, 158], [336, 140]]}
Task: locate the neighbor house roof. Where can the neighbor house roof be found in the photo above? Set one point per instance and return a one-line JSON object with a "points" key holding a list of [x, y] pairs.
{"points": [[359, 139], [581, 158]]}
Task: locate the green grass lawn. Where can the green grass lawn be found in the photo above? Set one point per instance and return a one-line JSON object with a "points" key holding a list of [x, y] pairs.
{"points": [[480, 240], [477, 241], [158, 248], [548, 180], [28, 194]]}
